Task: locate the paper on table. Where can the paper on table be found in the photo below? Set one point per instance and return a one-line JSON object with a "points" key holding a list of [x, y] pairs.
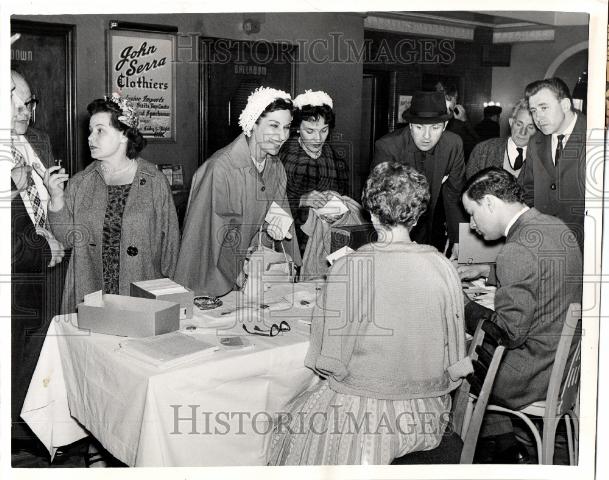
{"points": [[280, 218], [167, 350], [334, 206], [341, 252]]}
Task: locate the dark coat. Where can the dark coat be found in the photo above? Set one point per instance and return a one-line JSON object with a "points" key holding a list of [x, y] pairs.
{"points": [[490, 153], [31, 304], [539, 273], [558, 191], [447, 174]]}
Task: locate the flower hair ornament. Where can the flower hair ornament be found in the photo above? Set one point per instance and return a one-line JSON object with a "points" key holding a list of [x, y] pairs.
{"points": [[129, 115], [258, 100], [315, 99]]}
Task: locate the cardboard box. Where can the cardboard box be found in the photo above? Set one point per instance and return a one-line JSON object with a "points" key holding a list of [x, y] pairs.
{"points": [[167, 290], [127, 316]]}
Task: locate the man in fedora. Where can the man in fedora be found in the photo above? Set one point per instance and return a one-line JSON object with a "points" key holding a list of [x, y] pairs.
{"points": [[425, 145]]}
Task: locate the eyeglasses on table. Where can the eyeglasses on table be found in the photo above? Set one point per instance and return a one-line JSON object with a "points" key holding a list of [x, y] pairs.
{"points": [[272, 332]]}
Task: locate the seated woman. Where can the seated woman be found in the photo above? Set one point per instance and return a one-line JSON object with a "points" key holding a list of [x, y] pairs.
{"points": [[314, 173], [230, 196], [117, 214], [389, 329]]}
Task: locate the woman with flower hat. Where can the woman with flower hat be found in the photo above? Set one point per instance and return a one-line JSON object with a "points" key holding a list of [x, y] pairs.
{"points": [[314, 172], [118, 214], [231, 195]]}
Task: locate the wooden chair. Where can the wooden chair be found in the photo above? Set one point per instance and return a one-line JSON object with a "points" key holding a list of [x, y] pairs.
{"points": [[562, 399], [459, 442]]}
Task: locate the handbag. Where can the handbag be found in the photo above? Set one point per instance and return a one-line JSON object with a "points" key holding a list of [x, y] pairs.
{"points": [[264, 266]]}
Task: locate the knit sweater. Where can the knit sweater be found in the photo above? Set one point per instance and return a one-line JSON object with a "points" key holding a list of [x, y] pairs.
{"points": [[391, 323]]}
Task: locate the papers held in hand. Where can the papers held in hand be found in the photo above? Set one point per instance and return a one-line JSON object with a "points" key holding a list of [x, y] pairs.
{"points": [[168, 350], [334, 206], [474, 249], [280, 218]]}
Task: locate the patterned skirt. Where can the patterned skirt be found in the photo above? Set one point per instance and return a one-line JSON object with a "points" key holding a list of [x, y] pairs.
{"points": [[323, 427]]}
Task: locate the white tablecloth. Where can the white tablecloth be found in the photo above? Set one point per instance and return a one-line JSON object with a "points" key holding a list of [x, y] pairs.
{"points": [[212, 412]]}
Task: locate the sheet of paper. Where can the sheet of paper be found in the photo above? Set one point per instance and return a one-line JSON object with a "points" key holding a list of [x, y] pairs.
{"points": [[279, 217], [341, 252], [167, 350]]}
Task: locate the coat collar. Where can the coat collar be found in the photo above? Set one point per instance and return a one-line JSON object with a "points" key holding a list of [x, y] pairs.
{"points": [[521, 221], [240, 156], [144, 167]]}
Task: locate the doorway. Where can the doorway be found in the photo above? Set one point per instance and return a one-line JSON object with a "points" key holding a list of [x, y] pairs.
{"points": [[230, 70]]}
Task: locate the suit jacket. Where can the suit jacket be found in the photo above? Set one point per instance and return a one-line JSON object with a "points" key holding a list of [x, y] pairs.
{"points": [[466, 132], [490, 153], [539, 273], [445, 175], [31, 305], [558, 191]]}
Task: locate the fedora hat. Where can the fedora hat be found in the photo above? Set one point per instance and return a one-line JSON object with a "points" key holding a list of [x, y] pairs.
{"points": [[427, 107]]}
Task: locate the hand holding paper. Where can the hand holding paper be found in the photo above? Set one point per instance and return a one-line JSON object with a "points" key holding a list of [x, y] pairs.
{"points": [[333, 207], [279, 222]]}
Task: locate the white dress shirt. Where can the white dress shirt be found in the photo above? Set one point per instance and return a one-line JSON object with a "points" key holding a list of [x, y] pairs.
{"points": [[513, 220], [567, 133]]}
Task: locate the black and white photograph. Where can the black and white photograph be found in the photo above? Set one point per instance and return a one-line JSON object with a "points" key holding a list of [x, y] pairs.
{"points": [[362, 240]]}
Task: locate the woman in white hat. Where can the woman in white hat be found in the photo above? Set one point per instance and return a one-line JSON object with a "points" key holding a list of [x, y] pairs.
{"points": [[231, 194]]}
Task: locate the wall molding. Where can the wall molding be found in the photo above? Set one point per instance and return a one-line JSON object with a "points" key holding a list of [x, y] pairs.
{"points": [[515, 36], [374, 22]]}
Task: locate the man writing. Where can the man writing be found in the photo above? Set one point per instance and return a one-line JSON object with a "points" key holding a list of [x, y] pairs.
{"points": [[425, 145], [554, 177], [538, 275]]}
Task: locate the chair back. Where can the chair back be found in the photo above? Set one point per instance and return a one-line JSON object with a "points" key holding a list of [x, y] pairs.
{"points": [[563, 387], [486, 352]]}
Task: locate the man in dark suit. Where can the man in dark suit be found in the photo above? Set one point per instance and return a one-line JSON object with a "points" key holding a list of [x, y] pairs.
{"points": [[538, 275], [36, 273], [507, 153], [425, 145], [554, 177]]}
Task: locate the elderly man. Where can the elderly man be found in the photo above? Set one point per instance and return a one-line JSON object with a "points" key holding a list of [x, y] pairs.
{"points": [[425, 145], [36, 280], [554, 177], [507, 153], [538, 275]]}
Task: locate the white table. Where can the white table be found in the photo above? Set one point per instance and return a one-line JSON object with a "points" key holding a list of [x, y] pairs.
{"points": [[212, 412]]}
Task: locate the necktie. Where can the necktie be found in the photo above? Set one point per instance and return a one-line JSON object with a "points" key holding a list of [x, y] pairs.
{"points": [[519, 159], [31, 191], [559, 149]]}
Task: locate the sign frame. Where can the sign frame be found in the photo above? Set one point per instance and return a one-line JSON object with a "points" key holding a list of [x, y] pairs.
{"points": [[141, 54]]}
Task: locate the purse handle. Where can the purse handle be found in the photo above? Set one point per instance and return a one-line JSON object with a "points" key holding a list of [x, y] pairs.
{"points": [[285, 255]]}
